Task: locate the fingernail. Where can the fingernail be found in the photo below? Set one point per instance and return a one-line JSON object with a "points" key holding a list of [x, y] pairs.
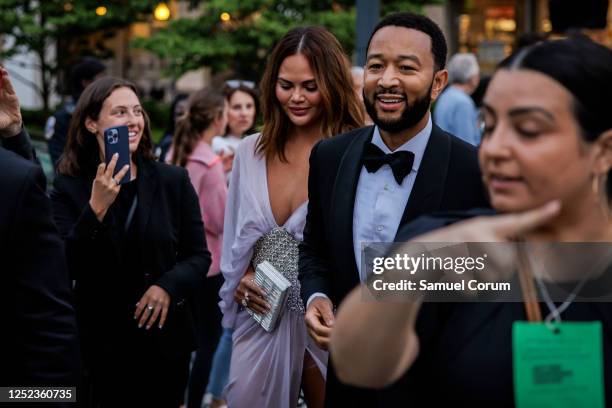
{"points": [[140, 326], [160, 326], [148, 327], [135, 317]]}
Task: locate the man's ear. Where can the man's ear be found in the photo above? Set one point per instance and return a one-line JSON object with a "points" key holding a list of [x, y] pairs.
{"points": [[603, 155], [439, 82]]}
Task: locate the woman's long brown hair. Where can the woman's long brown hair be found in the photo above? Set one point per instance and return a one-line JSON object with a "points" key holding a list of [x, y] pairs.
{"points": [[203, 107], [81, 155], [341, 110]]}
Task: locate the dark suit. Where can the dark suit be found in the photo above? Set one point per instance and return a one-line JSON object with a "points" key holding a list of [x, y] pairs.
{"points": [[448, 179], [166, 247], [39, 342]]}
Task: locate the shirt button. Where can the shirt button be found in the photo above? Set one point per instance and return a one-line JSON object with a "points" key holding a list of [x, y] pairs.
{"points": [[380, 228]]}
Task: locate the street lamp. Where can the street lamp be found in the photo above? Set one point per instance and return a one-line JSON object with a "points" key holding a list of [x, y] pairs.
{"points": [[101, 11], [161, 12]]}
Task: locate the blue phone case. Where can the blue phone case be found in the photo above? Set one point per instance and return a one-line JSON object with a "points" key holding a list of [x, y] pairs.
{"points": [[117, 140]]}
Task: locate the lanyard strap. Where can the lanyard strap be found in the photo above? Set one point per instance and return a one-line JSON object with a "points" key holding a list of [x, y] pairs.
{"points": [[530, 295]]}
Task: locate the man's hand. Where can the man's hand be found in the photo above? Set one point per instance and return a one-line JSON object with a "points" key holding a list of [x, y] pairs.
{"points": [[10, 115], [320, 320]]}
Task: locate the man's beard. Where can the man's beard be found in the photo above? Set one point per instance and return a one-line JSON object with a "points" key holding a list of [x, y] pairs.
{"points": [[411, 115]]}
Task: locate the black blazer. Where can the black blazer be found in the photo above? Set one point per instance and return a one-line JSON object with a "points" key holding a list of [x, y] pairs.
{"points": [[170, 236], [448, 179], [39, 342]]}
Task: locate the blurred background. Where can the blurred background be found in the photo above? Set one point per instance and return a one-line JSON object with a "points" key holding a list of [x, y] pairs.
{"points": [[180, 46]]}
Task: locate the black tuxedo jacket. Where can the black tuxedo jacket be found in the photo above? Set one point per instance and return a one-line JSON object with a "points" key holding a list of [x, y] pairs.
{"points": [[448, 179], [39, 342], [170, 238]]}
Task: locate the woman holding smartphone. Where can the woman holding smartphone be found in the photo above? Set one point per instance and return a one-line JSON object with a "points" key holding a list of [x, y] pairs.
{"points": [[307, 95], [136, 252]]}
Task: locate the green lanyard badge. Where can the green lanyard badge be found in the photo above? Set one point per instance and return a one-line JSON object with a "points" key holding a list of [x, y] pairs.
{"points": [[558, 365]]}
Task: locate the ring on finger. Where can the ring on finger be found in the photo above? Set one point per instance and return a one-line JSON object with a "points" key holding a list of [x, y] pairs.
{"points": [[245, 302]]}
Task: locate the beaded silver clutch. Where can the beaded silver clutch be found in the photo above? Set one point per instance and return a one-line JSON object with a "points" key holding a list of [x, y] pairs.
{"points": [[280, 248]]}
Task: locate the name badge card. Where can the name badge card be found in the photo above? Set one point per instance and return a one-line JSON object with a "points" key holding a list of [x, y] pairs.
{"points": [[558, 365]]}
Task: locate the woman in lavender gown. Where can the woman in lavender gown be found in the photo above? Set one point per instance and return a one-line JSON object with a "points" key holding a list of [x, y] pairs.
{"points": [[307, 95]]}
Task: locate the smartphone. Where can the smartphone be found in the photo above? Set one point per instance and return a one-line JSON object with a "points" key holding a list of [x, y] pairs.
{"points": [[117, 140]]}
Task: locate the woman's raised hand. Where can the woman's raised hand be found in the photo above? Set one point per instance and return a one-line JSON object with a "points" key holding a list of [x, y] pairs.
{"points": [[10, 115], [498, 228], [106, 187]]}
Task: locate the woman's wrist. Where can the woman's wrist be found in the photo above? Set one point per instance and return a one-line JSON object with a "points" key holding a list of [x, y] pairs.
{"points": [[98, 211]]}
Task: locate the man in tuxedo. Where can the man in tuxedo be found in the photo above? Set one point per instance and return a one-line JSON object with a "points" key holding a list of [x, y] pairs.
{"points": [[365, 184], [39, 343]]}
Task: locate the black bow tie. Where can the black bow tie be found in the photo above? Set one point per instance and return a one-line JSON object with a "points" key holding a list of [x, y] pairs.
{"points": [[400, 162]]}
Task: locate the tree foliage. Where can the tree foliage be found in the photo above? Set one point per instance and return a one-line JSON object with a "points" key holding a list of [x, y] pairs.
{"points": [[241, 44], [35, 26]]}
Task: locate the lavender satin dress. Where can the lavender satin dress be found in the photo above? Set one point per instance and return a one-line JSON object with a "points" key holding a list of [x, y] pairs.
{"points": [[266, 368]]}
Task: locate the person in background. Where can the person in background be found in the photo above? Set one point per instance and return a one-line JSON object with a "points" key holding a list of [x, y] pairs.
{"points": [[357, 74], [242, 112], [546, 159], [177, 109], [205, 117], [455, 111], [307, 95], [39, 345], [82, 74], [136, 250]]}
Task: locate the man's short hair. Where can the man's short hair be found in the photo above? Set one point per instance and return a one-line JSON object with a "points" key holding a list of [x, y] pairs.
{"points": [[461, 67], [419, 23]]}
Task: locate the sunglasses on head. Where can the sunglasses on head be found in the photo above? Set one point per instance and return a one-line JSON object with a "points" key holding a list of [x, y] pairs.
{"points": [[237, 83]]}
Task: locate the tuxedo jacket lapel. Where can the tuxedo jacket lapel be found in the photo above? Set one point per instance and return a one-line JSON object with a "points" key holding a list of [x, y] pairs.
{"points": [[343, 203], [428, 189]]}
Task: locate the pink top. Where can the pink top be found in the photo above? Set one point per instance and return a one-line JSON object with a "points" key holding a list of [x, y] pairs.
{"points": [[206, 173]]}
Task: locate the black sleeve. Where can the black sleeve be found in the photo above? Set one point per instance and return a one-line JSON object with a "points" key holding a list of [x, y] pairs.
{"points": [[193, 256], [47, 333], [80, 229], [314, 265], [21, 145]]}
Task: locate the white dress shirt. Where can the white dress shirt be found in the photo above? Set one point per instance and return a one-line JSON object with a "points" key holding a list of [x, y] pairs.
{"points": [[380, 201]]}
